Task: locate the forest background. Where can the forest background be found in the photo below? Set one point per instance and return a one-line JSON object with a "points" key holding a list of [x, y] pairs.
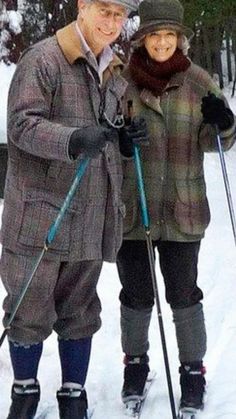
{"points": [[213, 22]]}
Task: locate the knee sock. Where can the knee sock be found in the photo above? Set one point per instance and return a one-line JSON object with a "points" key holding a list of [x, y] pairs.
{"points": [[134, 330], [190, 333], [74, 357], [25, 360]]}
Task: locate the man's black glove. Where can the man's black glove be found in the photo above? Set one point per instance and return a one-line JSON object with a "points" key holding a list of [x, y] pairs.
{"points": [[214, 111], [90, 140], [134, 132]]}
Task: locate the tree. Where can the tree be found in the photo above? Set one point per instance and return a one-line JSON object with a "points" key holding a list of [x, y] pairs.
{"points": [[212, 25], [11, 43]]}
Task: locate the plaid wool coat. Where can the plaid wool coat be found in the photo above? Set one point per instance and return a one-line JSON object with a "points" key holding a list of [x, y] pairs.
{"points": [[173, 161], [53, 92]]}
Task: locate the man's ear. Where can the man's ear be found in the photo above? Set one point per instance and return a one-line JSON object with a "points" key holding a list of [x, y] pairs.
{"points": [[81, 5]]}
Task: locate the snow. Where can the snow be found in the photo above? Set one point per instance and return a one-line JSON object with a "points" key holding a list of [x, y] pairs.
{"points": [[217, 279], [15, 21], [6, 73]]}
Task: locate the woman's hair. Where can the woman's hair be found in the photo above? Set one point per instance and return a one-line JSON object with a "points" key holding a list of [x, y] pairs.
{"points": [[183, 43]]}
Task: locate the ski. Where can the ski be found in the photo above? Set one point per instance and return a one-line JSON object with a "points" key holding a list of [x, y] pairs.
{"points": [[134, 404], [47, 414]]}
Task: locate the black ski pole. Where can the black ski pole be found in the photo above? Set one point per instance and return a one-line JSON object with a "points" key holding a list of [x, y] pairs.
{"points": [[50, 237], [226, 182], [146, 224]]}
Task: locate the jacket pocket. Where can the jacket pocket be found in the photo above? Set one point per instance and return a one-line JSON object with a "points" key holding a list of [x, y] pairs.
{"points": [[39, 212], [129, 198], [191, 210]]}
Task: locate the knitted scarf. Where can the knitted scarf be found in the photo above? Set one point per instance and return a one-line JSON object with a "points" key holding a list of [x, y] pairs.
{"points": [[152, 75]]}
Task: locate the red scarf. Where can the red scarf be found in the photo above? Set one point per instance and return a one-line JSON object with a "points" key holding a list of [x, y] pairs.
{"points": [[154, 76]]}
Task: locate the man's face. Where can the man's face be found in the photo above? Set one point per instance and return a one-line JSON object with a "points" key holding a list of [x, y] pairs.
{"points": [[101, 23]]}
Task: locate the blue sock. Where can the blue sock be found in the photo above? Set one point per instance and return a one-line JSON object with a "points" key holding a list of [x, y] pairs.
{"points": [[74, 356], [25, 360]]}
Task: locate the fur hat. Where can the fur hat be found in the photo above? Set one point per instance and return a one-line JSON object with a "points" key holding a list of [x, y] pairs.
{"points": [[161, 14]]}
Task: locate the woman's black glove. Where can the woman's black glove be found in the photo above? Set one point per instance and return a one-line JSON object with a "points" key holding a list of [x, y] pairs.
{"points": [[134, 132], [90, 140], [214, 111]]}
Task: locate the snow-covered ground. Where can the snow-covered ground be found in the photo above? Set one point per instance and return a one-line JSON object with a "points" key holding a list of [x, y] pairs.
{"points": [[217, 277]]}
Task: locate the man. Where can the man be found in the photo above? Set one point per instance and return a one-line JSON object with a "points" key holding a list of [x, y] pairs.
{"points": [[64, 105]]}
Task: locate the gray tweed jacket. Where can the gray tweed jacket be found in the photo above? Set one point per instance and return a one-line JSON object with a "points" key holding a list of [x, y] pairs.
{"points": [[53, 92]]}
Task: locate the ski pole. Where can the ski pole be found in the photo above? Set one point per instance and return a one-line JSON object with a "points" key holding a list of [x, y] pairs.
{"points": [[49, 238], [226, 182], [146, 224]]}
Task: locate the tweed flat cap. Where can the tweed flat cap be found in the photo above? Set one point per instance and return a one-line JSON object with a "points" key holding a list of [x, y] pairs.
{"points": [[131, 5]]}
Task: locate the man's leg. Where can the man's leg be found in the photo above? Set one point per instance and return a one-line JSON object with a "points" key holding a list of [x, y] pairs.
{"points": [[78, 308], [32, 324]]}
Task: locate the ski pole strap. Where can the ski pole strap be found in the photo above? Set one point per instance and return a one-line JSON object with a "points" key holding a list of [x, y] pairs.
{"points": [[55, 225], [143, 201]]}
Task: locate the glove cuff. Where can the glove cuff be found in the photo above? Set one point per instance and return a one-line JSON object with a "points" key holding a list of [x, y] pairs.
{"points": [[228, 120]]}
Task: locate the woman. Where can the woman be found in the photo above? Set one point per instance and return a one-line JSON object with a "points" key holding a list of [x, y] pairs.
{"points": [[172, 95]]}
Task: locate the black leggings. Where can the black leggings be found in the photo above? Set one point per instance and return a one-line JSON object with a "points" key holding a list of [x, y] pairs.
{"points": [[178, 264]]}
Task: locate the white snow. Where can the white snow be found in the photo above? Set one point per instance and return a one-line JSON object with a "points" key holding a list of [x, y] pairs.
{"points": [[6, 73], [217, 277], [15, 21]]}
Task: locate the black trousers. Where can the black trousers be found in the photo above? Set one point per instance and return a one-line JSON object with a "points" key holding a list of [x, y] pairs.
{"points": [[178, 264]]}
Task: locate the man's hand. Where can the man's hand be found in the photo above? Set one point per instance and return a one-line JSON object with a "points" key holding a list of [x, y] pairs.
{"points": [[90, 141]]}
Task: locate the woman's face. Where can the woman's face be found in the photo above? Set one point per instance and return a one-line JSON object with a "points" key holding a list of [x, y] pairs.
{"points": [[161, 44]]}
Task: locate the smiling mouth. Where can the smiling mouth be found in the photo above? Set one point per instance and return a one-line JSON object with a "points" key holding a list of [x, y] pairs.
{"points": [[105, 33], [161, 50]]}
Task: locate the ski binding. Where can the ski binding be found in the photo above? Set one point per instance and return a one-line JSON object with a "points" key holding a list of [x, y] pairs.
{"points": [[134, 404], [188, 413]]}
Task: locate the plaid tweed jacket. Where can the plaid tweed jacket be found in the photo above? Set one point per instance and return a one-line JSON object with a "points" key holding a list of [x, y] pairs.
{"points": [[53, 92], [173, 161]]}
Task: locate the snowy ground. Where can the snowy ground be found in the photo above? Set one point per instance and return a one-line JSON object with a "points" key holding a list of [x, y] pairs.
{"points": [[217, 273]]}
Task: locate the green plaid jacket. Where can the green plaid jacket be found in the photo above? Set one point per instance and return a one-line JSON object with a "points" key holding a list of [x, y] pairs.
{"points": [[173, 161]]}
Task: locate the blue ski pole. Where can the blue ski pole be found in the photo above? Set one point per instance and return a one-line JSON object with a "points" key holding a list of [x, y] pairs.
{"points": [[50, 237], [146, 224]]}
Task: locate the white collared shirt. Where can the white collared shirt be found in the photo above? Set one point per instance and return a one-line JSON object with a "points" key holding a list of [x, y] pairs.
{"points": [[105, 57]]}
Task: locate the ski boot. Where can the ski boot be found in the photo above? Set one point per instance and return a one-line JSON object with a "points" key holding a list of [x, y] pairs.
{"points": [[25, 400], [192, 383], [135, 376], [72, 403]]}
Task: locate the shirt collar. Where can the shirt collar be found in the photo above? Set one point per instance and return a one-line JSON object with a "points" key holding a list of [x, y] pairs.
{"points": [[105, 57]]}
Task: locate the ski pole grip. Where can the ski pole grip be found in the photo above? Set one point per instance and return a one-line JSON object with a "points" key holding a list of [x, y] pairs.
{"points": [[129, 111]]}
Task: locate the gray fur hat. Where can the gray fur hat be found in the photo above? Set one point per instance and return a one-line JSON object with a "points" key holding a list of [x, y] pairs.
{"points": [[158, 14]]}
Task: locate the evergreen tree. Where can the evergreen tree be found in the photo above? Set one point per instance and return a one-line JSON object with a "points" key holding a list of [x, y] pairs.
{"points": [[11, 43]]}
